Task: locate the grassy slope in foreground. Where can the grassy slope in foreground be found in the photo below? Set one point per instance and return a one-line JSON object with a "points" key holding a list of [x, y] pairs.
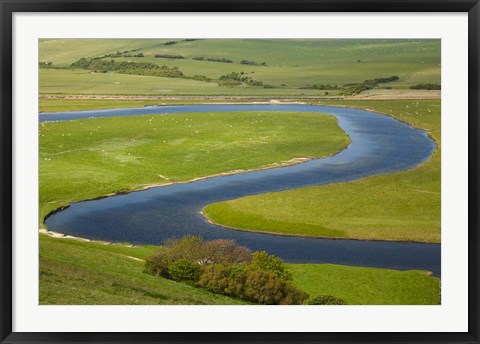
{"points": [[399, 206], [77, 272], [95, 157]]}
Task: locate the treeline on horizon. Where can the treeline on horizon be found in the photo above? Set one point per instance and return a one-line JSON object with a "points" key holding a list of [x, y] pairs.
{"points": [[106, 63]]}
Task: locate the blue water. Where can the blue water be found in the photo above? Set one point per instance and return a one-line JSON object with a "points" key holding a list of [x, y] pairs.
{"points": [[379, 144]]}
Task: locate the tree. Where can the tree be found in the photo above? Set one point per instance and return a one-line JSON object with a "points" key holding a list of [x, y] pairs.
{"points": [[266, 262], [157, 264], [325, 300], [184, 270], [251, 284], [225, 252], [266, 287], [189, 247]]}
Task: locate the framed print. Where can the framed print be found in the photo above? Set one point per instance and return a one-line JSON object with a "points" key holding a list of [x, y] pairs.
{"points": [[239, 172]]}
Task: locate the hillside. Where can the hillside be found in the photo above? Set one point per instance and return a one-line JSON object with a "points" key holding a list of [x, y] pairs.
{"points": [[266, 66]]}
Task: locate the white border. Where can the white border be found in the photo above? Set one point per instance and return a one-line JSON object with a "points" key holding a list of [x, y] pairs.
{"points": [[450, 316]]}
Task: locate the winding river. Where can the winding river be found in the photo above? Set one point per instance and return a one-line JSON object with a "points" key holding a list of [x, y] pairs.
{"points": [[379, 144]]}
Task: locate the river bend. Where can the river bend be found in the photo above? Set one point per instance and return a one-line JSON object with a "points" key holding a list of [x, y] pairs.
{"points": [[379, 144]]}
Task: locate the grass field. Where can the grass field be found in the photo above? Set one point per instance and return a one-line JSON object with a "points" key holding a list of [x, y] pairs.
{"points": [[290, 64], [367, 286], [84, 159], [400, 206], [77, 272]]}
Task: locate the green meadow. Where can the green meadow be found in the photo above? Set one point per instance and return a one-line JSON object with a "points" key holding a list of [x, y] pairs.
{"points": [[285, 65], [88, 158], [74, 272], [402, 206], [367, 286]]}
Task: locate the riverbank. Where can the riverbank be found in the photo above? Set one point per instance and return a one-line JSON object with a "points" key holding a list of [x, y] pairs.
{"points": [[404, 206], [60, 103], [107, 156]]}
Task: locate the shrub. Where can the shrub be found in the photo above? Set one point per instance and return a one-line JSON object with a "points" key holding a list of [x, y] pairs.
{"points": [[157, 264], [266, 287], [384, 80], [224, 267], [168, 56], [189, 247], [250, 284], [237, 79], [127, 67], [368, 85], [200, 78], [184, 270], [427, 86], [43, 64], [325, 300], [212, 59], [266, 262], [195, 250], [225, 252], [253, 63], [216, 278]]}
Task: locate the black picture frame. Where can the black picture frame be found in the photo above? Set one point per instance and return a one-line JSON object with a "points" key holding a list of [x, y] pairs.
{"points": [[9, 7]]}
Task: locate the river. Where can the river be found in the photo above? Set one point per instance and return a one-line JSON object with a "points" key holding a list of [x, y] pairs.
{"points": [[379, 144]]}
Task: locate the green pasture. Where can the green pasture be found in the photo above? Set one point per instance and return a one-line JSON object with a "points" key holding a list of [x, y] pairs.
{"points": [[74, 272], [88, 158], [367, 286], [63, 81], [402, 206]]}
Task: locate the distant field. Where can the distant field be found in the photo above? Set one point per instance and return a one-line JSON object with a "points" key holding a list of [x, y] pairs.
{"points": [[95, 157], [74, 272], [62, 81], [397, 206], [66, 51], [289, 64]]}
